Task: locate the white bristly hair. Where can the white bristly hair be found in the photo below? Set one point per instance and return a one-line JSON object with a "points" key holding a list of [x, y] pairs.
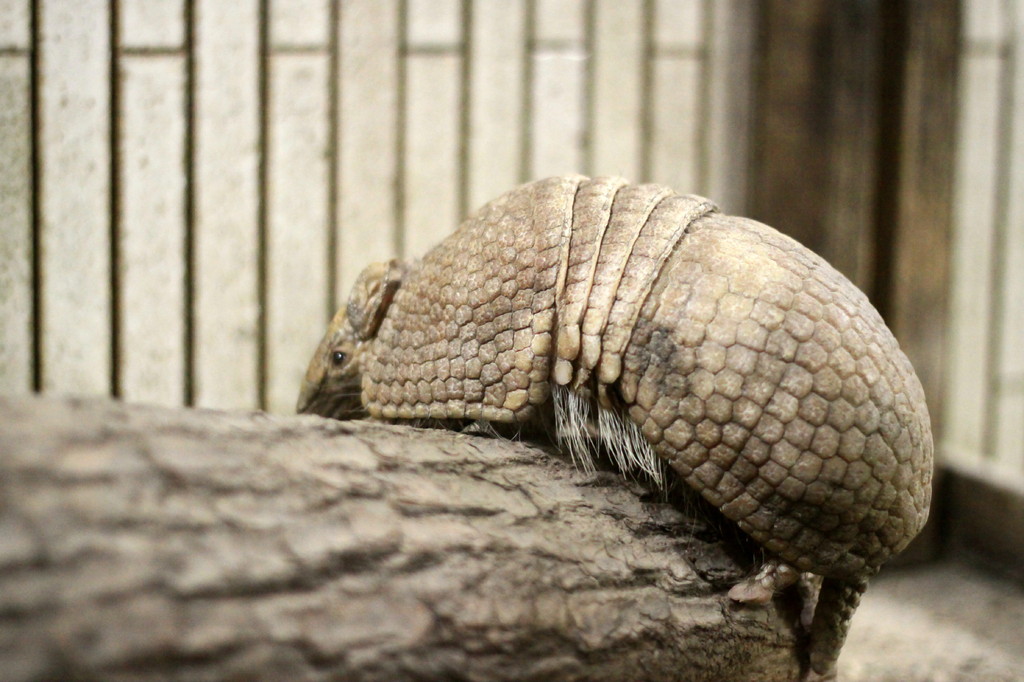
{"points": [[573, 425], [575, 431]]}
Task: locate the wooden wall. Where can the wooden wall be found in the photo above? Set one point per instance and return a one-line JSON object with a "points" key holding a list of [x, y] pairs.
{"points": [[188, 187], [889, 137], [985, 407], [983, 439], [853, 153]]}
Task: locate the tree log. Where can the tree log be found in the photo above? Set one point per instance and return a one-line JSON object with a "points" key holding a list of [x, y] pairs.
{"points": [[149, 543]]}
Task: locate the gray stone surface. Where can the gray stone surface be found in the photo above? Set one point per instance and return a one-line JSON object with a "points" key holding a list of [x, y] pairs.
{"points": [[945, 622]]}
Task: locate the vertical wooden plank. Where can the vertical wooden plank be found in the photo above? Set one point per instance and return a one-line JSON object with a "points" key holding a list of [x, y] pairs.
{"points": [[919, 76], [16, 351], [74, 175], [676, 95], [297, 222], [558, 114], [678, 23], [731, 45], [790, 147], [432, 124], [433, 24], [674, 145], [16, 354], [151, 200], [496, 71], [14, 24], [617, 107], [921, 205], [431, 164], [297, 192], [368, 106], [151, 23], [817, 137], [971, 314], [853, 140], [1009, 418], [559, 21], [557, 111], [985, 22], [151, 229], [226, 203], [299, 23]]}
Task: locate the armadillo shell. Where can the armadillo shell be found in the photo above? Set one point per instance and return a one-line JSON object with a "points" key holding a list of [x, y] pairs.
{"points": [[762, 375]]}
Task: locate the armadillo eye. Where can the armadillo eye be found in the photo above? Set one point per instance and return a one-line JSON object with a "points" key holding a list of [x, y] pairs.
{"points": [[338, 358]]}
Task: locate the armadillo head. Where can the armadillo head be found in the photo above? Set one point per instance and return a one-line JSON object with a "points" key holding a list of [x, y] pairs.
{"points": [[331, 387]]}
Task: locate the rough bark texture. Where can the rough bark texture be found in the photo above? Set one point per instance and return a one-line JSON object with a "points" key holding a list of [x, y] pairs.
{"points": [[146, 543]]}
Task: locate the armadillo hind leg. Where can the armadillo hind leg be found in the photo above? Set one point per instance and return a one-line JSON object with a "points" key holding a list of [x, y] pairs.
{"points": [[773, 576], [837, 601]]}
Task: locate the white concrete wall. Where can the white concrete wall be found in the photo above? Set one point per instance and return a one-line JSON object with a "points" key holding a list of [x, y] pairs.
{"points": [[189, 187]]}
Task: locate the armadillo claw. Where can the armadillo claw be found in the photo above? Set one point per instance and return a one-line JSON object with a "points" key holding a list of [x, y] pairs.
{"points": [[775, 575]]}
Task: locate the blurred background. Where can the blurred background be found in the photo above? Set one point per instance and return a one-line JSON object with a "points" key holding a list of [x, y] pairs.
{"points": [[189, 187]]}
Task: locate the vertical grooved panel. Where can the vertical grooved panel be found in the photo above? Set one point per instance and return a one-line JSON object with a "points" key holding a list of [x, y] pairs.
{"points": [[263, 152], [675, 130], [1009, 431], [15, 226], [558, 82], [679, 23], [432, 123], [74, 174], [559, 21], [967, 409], [984, 21], [618, 73], [851, 186], [557, 114], [794, 107], [731, 46], [433, 23], [152, 229], [917, 163], [151, 23], [14, 24], [431, 163], [497, 51], [299, 23], [368, 114], [297, 221], [226, 238]]}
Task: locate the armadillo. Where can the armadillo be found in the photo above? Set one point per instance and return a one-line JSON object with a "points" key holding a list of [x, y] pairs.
{"points": [[761, 376]]}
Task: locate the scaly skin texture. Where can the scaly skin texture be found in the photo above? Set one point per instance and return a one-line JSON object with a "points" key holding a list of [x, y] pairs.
{"points": [[761, 375]]}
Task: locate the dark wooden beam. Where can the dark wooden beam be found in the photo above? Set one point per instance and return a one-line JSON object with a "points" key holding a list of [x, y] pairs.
{"points": [[853, 155], [816, 134], [916, 190]]}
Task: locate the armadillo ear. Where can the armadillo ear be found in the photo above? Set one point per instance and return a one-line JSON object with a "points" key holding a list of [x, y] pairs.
{"points": [[371, 295]]}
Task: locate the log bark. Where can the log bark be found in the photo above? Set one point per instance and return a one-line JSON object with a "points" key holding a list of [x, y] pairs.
{"points": [[150, 543]]}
